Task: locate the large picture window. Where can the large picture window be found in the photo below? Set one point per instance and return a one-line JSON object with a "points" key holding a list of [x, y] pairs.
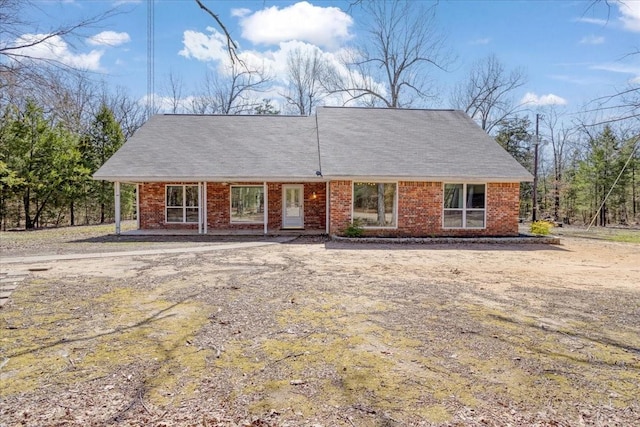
{"points": [[247, 204], [374, 204], [464, 205], [182, 203]]}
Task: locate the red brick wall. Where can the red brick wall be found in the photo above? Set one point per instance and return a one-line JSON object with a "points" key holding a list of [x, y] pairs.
{"points": [[420, 210], [152, 207], [340, 210]]}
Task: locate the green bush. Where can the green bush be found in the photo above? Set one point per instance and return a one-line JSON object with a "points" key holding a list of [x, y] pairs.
{"points": [[354, 229], [541, 228]]}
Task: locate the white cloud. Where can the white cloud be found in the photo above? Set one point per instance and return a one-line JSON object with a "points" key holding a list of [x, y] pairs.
{"points": [[57, 50], [531, 98], [109, 38], [241, 12], [212, 48], [121, 2], [594, 21], [592, 40], [480, 41], [204, 47], [617, 67], [326, 27], [630, 18]]}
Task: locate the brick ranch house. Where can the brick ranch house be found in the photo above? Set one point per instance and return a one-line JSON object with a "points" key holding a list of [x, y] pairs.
{"points": [[396, 172]]}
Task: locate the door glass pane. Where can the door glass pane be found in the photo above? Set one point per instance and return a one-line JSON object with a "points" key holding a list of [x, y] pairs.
{"points": [[293, 197]]}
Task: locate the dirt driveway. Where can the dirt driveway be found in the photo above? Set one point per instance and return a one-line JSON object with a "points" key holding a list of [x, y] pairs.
{"points": [[326, 334]]}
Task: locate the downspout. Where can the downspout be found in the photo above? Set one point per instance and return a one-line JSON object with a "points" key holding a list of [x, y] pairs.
{"points": [[116, 190]]}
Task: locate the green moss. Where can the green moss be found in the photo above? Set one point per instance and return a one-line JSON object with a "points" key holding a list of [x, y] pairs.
{"points": [[137, 329]]}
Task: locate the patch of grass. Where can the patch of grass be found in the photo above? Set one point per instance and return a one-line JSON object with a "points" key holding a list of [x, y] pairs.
{"points": [[626, 237], [603, 233]]}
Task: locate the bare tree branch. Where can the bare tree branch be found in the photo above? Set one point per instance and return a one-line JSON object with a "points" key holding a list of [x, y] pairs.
{"points": [[394, 67], [232, 46], [486, 94]]}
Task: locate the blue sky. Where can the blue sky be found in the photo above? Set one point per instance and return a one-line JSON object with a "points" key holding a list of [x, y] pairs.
{"points": [[572, 51]]}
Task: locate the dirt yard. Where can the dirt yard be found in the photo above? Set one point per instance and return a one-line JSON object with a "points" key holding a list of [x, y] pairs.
{"points": [[320, 334]]}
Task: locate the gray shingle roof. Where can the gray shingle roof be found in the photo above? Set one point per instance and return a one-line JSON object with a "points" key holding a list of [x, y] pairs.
{"points": [[394, 143], [200, 148], [354, 142]]}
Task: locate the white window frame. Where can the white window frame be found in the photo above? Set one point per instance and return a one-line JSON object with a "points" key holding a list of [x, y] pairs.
{"points": [[464, 208], [395, 203], [261, 221], [184, 206]]}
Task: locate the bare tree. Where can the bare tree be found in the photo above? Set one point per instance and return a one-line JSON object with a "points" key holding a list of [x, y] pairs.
{"points": [[486, 93], [235, 92], [306, 70], [395, 67], [15, 44], [173, 89], [129, 112], [561, 138]]}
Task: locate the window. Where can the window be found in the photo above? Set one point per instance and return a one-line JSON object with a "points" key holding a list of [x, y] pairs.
{"points": [[247, 204], [464, 205], [182, 203], [374, 204]]}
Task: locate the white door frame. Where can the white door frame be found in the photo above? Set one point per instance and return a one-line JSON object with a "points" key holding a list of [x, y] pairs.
{"points": [[297, 223]]}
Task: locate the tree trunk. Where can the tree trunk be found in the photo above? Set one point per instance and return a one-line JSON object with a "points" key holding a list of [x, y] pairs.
{"points": [[556, 197], [381, 216], [102, 197], [72, 216], [28, 224]]}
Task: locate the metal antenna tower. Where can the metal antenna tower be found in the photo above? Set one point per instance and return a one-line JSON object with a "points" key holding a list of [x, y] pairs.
{"points": [[150, 58]]}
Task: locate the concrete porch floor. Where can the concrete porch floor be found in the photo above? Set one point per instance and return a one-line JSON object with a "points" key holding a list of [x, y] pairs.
{"points": [[255, 233]]}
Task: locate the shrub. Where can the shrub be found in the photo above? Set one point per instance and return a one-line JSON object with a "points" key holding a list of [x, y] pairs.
{"points": [[541, 228], [354, 229]]}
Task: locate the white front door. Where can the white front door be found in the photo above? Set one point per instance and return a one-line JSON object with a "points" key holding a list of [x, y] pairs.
{"points": [[292, 206]]}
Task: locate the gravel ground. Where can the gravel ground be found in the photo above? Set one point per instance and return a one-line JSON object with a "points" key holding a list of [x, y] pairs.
{"points": [[319, 333]]}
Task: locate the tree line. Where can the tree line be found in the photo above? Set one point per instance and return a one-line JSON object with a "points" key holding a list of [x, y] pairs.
{"points": [[58, 125]]}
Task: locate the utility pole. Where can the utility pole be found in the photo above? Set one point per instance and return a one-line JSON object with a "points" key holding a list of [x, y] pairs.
{"points": [[534, 215]]}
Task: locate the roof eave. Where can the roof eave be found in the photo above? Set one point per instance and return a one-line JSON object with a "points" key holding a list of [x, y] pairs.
{"points": [[488, 179], [227, 179]]}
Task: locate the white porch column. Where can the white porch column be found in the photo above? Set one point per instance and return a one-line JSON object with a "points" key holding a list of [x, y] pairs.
{"points": [[200, 208], [266, 208], [116, 189], [138, 206], [327, 204], [204, 207]]}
